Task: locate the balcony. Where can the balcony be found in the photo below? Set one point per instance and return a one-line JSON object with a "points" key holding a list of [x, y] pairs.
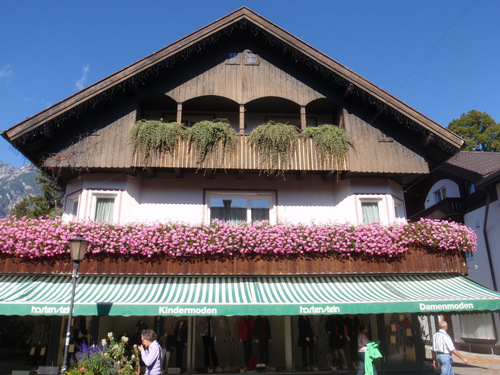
{"points": [[305, 157], [448, 209]]}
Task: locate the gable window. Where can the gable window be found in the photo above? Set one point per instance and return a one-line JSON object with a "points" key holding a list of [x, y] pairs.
{"points": [[240, 207], [250, 58], [232, 58], [440, 194]]}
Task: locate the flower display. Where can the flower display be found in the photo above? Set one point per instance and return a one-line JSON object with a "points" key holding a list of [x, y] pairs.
{"points": [[45, 237], [109, 357]]}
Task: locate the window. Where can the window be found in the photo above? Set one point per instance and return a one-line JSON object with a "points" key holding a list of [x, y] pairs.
{"points": [[440, 194], [103, 206], [370, 212], [399, 212], [104, 209], [232, 58], [71, 208], [250, 58], [240, 207]]}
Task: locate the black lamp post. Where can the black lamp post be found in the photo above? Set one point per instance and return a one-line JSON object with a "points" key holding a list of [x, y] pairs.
{"points": [[78, 247]]}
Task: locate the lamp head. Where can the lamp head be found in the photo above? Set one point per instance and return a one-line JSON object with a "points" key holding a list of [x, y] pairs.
{"points": [[78, 247]]}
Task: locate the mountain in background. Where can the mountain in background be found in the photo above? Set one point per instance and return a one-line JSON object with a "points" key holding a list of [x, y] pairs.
{"points": [[15, 184]]}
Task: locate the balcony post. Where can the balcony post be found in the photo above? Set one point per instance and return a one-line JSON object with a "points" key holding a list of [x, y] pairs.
{"points": [[303, 117], [179, 112], [242, 119]]}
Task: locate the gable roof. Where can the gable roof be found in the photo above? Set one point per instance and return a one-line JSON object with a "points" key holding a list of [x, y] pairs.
{"points": [[243, 17]]}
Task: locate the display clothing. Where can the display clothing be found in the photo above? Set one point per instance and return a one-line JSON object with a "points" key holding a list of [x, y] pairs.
{"points": [[351, 324], [207, 328], [262, 334], [151, 356], [180, 338], [306, 340], [245, 334], [334, 326], [167, 344]]}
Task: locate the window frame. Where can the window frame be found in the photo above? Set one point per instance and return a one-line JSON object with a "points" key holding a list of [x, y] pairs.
{"points": [[440, 194], [105, 194], [380, 199], [250, 195]]}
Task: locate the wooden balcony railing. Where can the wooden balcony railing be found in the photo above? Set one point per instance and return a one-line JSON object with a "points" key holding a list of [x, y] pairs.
{"points": [[447, 209], [415, 260], [305, 157]]}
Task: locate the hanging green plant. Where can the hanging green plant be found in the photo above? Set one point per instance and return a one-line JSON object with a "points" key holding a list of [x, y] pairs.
{"points": [[149, 135], [332, 142], [208, 136], [274, 142]]}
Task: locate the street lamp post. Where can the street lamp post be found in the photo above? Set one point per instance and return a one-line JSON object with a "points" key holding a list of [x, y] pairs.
{"points": [[78, 246]]}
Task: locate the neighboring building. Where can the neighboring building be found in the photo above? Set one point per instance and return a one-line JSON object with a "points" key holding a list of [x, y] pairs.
{"points": [[249, 71], [466, 189]]}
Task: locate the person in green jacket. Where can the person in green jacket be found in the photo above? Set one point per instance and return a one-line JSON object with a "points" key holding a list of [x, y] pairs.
{"points": [[367, 352]]}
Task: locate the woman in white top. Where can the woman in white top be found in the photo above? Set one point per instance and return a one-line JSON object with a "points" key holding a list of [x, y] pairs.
{"points": [[362, 342]]}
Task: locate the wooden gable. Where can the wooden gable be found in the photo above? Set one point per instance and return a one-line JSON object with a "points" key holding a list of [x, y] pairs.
{"points": [[89, 130]]}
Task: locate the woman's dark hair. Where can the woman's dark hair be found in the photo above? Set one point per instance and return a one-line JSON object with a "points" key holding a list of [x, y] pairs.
{"points": [[148, 334], [361, 328]]}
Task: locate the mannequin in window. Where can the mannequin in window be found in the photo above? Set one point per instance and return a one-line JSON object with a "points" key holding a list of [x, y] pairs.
{"points": [[180, 337], [207, 329], [262, 336], [246, 336], [351, 324], [306, 341], [334, 326]]}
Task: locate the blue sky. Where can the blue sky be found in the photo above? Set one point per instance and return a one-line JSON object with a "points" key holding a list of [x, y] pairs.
{"points": [[442, 57]]}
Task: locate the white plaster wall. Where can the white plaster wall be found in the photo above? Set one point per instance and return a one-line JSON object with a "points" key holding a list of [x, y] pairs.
{"points": [[475, 220], [166, 198], [452, 191]]}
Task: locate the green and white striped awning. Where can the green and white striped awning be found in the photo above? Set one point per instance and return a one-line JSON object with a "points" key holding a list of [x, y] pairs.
{"points": [[234, 295]]}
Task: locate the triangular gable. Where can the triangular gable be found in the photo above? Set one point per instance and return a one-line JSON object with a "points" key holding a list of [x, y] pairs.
{"points": [[353, 82]]}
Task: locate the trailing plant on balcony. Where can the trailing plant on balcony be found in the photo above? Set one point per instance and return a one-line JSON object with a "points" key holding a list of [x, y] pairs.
{"points": [[332, 142], [149, 135], [45, 238], [274, 142], [208, 136]]}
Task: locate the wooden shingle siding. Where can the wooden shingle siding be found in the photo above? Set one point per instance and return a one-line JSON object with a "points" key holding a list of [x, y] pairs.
{"points": [[371, 155]]}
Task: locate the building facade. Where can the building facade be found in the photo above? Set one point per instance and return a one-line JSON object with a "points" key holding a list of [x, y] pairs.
{"points": [[234, 228]]}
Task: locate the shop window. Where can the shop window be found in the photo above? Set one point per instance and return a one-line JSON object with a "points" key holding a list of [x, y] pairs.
{"points": [[240, 207], [477, 326], [440, 194]]}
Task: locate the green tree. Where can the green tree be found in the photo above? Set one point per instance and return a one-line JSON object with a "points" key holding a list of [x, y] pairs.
{"points": [[479, 129], [48, 203]]}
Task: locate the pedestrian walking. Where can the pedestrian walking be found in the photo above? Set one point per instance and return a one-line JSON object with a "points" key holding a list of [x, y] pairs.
{"points": [[442, 348]]}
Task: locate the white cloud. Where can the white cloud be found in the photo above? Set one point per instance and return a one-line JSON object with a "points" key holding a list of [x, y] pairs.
{"points": [[6, 71], [80, 84]]}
